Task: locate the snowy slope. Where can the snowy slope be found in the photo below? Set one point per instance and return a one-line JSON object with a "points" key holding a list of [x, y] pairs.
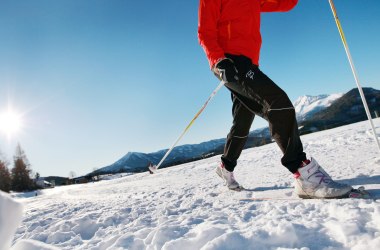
{"points": [[10, 217], [307, 105], [187, 206]]}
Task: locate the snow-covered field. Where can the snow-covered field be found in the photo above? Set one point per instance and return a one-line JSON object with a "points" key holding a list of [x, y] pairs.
{"points": [[187, 206]]}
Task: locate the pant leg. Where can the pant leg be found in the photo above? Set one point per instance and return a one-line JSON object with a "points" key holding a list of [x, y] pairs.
{"points": [[263, 97], [236, 139]]}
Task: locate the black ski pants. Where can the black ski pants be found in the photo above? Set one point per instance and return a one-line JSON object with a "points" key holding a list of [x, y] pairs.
{"points": [[257, 94]]}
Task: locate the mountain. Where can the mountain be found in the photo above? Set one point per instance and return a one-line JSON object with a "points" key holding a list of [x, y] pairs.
{"points": [[138, 162], [58, 181], [134, 162], [345, 110], [314, 113], [306, 106]]}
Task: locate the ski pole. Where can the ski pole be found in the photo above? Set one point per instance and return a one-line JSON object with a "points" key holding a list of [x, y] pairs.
{"points": [[340, 29], [154, 168]]}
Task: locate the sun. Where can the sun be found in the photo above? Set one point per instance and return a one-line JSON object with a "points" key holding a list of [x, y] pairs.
{"points": [[10, 122]]}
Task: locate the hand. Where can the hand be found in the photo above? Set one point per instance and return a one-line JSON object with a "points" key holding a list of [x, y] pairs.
{"points": [[226, 71]]}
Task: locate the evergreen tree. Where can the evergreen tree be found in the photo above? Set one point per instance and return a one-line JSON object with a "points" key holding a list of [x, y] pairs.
{"points": [[21, 180], [5, 177]]}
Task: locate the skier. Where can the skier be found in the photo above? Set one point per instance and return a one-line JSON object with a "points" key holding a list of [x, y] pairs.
{"points": [[229, 32]]}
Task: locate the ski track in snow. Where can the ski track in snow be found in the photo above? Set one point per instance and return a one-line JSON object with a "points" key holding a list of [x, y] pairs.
{"points": [[187, 206]]}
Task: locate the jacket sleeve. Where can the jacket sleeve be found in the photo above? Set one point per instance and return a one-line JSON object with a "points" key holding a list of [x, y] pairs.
{"points": [[208, 16], [277, 5]]}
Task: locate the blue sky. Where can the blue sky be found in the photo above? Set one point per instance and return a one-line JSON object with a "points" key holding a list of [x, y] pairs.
{"points": [[95, 79]]}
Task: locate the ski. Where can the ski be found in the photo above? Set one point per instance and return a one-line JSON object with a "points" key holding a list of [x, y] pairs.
{"points": [[355, 193], [270, 199], [359, 193], [238, 189]]}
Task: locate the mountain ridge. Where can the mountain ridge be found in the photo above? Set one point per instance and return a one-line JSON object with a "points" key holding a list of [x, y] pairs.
{"points": [[307, 105], [346, 110], [314, 113]]}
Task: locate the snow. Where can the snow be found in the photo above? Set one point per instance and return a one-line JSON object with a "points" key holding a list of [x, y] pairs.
{"points": [[10, 217], [32, 245], [187, 206], [307, 105]]}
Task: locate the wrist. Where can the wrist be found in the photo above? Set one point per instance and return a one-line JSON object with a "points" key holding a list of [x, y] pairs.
{"points": [[220, 60]]}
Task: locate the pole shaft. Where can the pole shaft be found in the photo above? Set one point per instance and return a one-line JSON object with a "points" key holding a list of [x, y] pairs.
{"points": [[354, 72], [221, 84]]}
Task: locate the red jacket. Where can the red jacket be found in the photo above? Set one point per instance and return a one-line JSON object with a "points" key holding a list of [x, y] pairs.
{"points": [[233, 26]]}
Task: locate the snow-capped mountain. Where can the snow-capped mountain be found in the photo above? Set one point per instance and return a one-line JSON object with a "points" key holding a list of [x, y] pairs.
{"points": [[345, 110], [136, 162], [307, 105]]}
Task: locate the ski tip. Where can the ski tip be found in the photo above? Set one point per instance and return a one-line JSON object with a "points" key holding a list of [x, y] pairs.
{"points": [[360, 193]]}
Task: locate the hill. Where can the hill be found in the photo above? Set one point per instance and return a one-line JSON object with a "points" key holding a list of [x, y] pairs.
{"points": [[306, 106], [345, 110], [188, 207]]}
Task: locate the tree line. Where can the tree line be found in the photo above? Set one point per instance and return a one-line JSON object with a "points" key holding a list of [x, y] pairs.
{"points": [[19, 177]]}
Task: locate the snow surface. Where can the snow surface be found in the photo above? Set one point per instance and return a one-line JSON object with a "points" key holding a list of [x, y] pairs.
{"points": [[10, 218], [187, 206]]}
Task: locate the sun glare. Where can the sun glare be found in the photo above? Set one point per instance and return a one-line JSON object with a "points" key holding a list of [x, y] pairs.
{"points": [[10, 122]]}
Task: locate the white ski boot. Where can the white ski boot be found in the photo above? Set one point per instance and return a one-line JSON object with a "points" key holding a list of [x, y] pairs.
{"points": [[228, 178], [312, 182]]}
